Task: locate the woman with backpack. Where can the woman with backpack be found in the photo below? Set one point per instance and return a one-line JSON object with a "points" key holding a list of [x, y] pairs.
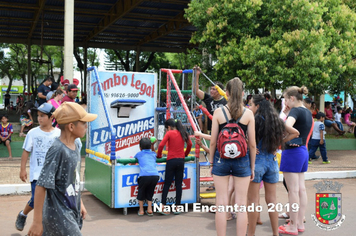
{"points": [[175, 138], [295, 156], [223, 159], [269, 129]]}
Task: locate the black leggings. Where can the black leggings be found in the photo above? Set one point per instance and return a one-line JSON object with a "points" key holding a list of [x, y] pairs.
{"points": [[174, 168]]}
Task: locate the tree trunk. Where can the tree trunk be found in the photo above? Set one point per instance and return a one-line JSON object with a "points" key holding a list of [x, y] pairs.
{"points": [[148, 63], [10, 84]]}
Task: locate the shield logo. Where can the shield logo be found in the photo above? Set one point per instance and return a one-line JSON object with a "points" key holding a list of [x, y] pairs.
{"points": [[328, 207]]}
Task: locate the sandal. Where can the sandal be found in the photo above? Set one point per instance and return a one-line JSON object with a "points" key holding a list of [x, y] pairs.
{"points": [[288, 220], [163, 213], [232, 216], [149, 213], [283, 215], [138, 213], [210, 188], [283, 230], [299, 229]]}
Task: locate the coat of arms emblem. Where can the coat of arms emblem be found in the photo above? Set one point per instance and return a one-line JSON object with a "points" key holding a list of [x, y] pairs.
{"points": [[328, 210]]}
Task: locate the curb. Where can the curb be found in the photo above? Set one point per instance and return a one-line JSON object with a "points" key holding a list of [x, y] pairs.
{"points": [[9, 189], [18, 189]]}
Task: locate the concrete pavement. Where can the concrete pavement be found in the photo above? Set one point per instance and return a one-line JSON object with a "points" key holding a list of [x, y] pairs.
{"points": [[105, 221]]}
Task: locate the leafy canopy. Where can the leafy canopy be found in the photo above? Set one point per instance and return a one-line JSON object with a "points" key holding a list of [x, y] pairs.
{"points": [[279, 43]]}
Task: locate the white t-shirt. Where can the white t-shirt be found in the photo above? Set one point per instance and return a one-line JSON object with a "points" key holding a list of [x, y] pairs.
{"points": [[318, 126], [338, 117], [37, 142]]}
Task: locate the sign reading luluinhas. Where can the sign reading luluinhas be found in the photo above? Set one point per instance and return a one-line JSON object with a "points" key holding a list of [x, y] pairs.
{"points": [[128, 131]]}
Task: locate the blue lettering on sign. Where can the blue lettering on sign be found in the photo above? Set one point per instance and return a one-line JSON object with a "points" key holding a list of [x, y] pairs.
{"points": [[121, 130], [131, 179]]}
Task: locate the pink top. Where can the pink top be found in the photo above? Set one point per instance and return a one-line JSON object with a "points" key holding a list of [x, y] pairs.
{"points": [[347, 118], [54, 103]]}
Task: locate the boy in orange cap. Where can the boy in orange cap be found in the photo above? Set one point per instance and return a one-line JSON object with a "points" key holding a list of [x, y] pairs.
{"points": [[61, 212]]}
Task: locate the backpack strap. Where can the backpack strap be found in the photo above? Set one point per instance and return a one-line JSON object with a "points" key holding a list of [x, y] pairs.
{"points": [[227, 120], [241, 115], [223, 110]]}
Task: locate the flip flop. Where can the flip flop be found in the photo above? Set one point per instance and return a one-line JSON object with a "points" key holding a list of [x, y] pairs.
{"points": [[210, 188], [299, 230], [259, 223], [138, 213], [283, 230], [288, 220], [163, 213], [149, 214], [283, 215]]}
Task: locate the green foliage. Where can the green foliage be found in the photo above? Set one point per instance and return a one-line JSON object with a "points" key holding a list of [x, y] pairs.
{"points": [[279, 43]]}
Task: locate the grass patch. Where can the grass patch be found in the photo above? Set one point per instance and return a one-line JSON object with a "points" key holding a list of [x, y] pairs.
{"points": [[345, 136], [16, 138]]}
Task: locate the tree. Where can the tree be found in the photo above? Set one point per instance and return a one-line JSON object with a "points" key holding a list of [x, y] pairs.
{"points": [[92, 60], [126, 60], [274, 44]]}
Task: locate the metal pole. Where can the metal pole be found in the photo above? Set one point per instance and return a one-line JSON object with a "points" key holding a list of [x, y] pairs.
{"points": [[84, 89], [68, 39], [28, 71]]}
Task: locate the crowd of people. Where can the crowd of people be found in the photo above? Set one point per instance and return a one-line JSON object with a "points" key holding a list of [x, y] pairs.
{"points": [[48, 92], [299, 135], [54, 152]]}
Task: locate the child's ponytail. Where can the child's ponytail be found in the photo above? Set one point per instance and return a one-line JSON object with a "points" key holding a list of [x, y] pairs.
{"points": [[179, 126]]}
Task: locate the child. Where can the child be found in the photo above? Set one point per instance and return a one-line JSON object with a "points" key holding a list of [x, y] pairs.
{"points": [[26, 119], [148, 176], [338, 118], [176, 136], [199, 116], [348, 120], [59, 209], [318, 138], [5, 134], [37, 142]]}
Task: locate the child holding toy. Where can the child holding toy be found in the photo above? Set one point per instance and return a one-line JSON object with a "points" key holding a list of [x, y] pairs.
{"points": [[148, 176], [175, 137]]}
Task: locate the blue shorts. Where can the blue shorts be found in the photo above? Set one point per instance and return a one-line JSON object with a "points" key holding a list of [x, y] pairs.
{"points": [[266, 168], [295, 160], [239, 167], [33, 188]]}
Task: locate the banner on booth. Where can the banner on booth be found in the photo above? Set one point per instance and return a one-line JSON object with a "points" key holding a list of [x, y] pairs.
{"points": [[128, 131], [126, 185]]}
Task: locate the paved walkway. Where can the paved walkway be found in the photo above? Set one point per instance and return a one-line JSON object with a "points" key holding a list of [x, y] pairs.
{"points": [[340, 160], [105, 221]]}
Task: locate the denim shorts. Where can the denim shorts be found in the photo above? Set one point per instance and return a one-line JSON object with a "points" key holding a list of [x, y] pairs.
{"points": [[328, 123], [266, 168], [239, 167], [33, 188]]}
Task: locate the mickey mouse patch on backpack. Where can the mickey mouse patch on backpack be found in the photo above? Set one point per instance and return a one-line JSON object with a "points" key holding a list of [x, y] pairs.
{"points": [[231, 140]]}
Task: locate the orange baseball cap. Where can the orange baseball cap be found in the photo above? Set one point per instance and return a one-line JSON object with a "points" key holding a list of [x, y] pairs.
{"points": [[69, 112]]}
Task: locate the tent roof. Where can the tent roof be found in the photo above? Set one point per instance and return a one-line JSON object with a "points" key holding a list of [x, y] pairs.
{"points": [[156, 25]]}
